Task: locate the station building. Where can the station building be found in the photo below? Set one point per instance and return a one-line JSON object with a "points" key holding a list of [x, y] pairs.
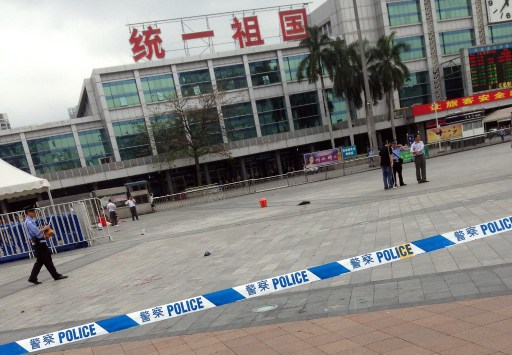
{"points": [[272, 120]]}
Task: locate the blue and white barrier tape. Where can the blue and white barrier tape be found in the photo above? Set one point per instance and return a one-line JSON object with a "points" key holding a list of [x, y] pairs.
{"points": [[255, 289]]}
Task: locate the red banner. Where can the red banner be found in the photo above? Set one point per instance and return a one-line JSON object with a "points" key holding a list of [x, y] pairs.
{"points": [[455, 104]]}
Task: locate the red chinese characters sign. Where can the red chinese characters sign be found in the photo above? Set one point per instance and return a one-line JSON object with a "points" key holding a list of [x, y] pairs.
{"points": [[246, 32], [147, 44], [454, 104], [294, 24]]}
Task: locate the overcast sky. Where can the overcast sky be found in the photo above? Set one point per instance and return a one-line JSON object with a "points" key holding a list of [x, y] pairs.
{"points": [[49, 47]]}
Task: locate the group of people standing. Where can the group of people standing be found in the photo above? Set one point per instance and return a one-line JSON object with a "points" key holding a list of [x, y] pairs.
{"points": [[391, 163]]}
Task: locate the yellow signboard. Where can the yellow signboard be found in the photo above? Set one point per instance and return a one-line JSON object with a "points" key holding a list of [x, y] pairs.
{"points": [[444, 133]]}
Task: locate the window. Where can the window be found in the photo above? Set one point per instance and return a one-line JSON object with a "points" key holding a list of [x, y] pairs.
{"points": [[121, 93], [501, 33], [326, 28], [54, 153], [239, 121], [161, 125], [448, 9], [95, 145], [305, 110], [194, 83], [265, 72], [272, 116], [14, 154], [453, 82], [291, 64], [417, 48], [452, 42], [416, 90], [337, 107], [132, 139], [231, 77], [404, 13], [158, 88]]}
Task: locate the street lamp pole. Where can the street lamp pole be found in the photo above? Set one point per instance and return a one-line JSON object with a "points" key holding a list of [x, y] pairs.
{"points": [[437, 127], [372, 134]]}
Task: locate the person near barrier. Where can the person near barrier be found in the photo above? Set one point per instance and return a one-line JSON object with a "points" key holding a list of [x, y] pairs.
{"points": [[133, 209], [418, 150], [396, 149], [39, 241], [111, 208], [386, 164]]}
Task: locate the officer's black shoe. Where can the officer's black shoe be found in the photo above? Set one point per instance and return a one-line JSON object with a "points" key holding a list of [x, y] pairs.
{"points": [[35, 282], [61, 277]]}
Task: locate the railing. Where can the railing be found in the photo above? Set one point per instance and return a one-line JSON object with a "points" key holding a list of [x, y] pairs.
{"points": [[76, 224], [252, 186]]}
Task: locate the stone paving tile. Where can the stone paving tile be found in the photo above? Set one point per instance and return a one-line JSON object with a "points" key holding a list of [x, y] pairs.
{"points": [[351, 334]]}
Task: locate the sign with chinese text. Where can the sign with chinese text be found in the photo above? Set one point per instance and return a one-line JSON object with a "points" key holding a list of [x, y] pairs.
{"points": [[407, 156], [259, 28], [349, 151], [444, 133], [490, 67], [321, 158], [467, 101]]}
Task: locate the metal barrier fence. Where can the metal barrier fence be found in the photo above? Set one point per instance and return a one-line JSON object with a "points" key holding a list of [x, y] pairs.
{"points": [[76, 224], [251, 186]]}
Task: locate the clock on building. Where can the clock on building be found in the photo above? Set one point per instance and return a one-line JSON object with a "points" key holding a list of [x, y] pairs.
{"points": [[499, 10]]}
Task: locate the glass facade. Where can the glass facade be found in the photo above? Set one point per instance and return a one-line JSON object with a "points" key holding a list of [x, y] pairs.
{"points": [[239, 121], [194, 83], [95, 145], [14, 154], [337, 107], [453, 41], [501, 33], [161, 125], [121, 93], [205, 126], [404, 13], [453, 82], [231, 77], [417, 48], [448, 9], [305, 110], [158, 88], [132, 139], [272, 116], [291, 64], [54, 153], [265, 72], [416, 90]]}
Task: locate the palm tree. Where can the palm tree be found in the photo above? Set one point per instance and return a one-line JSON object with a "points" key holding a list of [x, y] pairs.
{"points": [[312, 67], [391, 71], [346, 78]]}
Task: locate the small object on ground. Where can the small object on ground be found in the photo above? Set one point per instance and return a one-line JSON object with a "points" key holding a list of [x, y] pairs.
{"points": [[304, 203], [263, 202], [143, 232], [207, 253]]}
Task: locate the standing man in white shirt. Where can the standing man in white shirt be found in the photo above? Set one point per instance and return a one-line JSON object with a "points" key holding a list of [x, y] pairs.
{"points": [[131, 203], [111, 207], [418, 150]]}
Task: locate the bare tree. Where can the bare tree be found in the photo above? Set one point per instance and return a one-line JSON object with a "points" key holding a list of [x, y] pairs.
{"points": [[190, 127]]}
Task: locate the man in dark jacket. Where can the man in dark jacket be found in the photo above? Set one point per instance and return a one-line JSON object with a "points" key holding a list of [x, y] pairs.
{"points": [[386, 164]]}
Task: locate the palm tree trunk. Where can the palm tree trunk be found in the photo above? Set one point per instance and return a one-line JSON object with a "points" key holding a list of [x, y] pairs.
{"points": [[326, 108], [391, 103], [350, 106]]}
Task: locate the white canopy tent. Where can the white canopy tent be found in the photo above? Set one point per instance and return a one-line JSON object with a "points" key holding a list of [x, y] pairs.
{"points": [[16, 183]]}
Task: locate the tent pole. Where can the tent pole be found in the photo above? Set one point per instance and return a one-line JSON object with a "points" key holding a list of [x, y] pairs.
{"points": [[50, 197]]}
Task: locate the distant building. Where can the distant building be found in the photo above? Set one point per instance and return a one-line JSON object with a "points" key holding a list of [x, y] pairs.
{"points": [[72, 111], [4, 122]]}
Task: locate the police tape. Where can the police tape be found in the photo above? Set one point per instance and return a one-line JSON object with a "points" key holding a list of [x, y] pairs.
{"points": [[257, 288]]}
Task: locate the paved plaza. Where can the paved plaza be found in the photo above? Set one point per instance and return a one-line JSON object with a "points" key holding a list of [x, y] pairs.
{"points": [[159, 259]]}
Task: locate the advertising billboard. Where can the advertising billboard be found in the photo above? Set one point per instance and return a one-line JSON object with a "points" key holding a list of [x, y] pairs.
{"points": [[444, 133]]}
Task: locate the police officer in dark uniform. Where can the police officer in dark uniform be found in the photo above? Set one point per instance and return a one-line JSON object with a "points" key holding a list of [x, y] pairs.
{"points": [[42, 253]]}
